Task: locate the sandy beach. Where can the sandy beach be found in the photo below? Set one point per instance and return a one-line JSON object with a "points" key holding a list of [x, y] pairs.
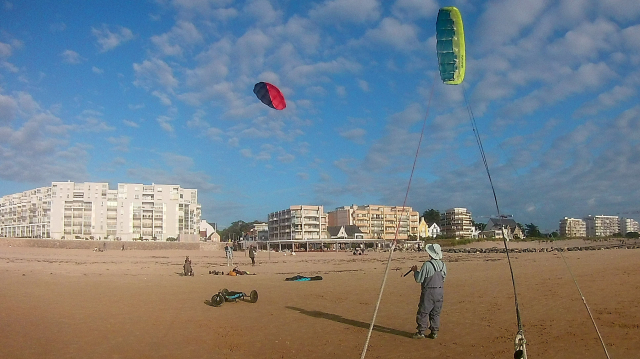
{"points": [[77, 303]]}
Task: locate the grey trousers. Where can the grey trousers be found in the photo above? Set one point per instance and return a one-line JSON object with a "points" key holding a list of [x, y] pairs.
{"points": [[429, 309]]}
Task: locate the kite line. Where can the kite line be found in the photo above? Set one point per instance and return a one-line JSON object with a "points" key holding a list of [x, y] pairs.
{"points": [[520, 341], [393, 245]]}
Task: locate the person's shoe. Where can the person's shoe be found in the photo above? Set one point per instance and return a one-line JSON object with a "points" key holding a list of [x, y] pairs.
{"points": [[432, 335], [418, 335]]}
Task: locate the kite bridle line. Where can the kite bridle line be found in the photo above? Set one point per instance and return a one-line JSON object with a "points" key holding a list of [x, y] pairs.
{"points": [[395, 240]]}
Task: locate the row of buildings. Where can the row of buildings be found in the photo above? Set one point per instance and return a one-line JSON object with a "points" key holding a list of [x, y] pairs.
{"points": [[597, 226], [366, 222], [90, 210]]}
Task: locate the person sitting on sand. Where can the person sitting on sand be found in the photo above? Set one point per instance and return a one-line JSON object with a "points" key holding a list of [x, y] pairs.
{"points": [[188, 271]]}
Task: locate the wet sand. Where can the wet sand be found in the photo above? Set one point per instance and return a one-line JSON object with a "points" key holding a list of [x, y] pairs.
{"points": [[76, 303]]}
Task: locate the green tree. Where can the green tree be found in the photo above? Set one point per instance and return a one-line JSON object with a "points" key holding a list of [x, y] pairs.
{"points": [[431, 216], [236, 230], [531, 230], [479, 226]]}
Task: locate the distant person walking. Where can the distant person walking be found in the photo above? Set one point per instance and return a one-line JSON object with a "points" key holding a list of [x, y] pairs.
{"points": [[228, 251], [431, 277], [252, 255]]}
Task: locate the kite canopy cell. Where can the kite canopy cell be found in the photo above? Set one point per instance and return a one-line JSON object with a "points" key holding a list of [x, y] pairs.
{"points": [[450, 45], [270, 95]]}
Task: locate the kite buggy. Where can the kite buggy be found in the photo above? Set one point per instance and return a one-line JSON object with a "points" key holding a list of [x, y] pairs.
{"points": [[225, 295]]}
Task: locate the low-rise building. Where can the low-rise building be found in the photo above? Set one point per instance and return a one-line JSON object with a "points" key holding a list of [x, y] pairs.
{"points": [[428, 230], [500, 227], [259, 232], [345, 232]]}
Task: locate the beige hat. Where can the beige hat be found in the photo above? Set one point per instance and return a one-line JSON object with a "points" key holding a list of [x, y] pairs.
{"points": [[434, 251]]}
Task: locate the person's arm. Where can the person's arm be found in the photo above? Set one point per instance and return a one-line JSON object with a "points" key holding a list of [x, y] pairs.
{"points": [[425, 271], [444, 271]]}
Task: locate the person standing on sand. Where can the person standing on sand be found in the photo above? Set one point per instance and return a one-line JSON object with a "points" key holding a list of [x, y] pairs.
{"points": [[431, 277], [252, 255], [228, 251]]}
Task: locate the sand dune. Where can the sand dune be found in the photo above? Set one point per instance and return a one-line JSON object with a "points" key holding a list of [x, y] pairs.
{"points": [[76, 303]]}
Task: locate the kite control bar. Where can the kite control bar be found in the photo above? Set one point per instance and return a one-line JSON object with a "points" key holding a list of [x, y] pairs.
{"points": [[410, 270]]}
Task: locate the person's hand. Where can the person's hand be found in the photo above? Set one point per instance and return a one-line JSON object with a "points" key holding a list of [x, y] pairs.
{"points": [[414, 268]]}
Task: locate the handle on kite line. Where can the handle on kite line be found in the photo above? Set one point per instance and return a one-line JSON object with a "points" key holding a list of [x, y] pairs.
{"points": [[407, 273]]}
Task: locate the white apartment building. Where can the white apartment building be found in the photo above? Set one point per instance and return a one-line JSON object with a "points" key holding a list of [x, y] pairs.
{"points": [[298, 222], [26, 214], [629, 225], [90, 210], [378, 222], [456, 222], [573, 228], [602, 226]]}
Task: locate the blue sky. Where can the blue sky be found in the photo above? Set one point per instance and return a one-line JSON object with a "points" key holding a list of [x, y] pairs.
{"points": [[161, 92]]}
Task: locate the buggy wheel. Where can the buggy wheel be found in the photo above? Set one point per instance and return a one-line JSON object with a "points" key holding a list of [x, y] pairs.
{"points": [[217, 300], [253, 296], [225, 292]]}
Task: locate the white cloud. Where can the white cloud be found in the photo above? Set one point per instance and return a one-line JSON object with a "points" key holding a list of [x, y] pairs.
{"points": [[286, 158], [606, 100], [97, 70], [154, 72], [30, 135], [215, 9], [587, 40], [348, 11], [136, 107], [175, 169], [120, 143], [246, 152], [392, 33], [356, 135], [130, 124], [91, 121], [505, 20], [305, 74], [415, 9], [8, 109], [250, 49], [108, 39], [165, 123], [262, 11], [364, 85], [5, 50], [183, 34], [57, 27], [71, 57]]}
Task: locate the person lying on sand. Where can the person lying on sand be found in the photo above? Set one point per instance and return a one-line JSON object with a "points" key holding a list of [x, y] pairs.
{"points": [[236, 271]]}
